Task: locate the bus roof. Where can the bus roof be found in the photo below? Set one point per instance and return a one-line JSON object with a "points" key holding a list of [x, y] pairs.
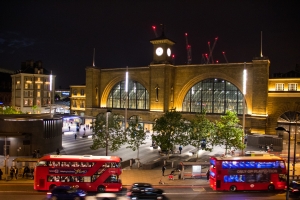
{"points": [[248, 158], [80, 158]]}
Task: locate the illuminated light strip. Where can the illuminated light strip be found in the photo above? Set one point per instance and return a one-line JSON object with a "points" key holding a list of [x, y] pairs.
{"points": [[244, 81], [257, 115], [51, 81]]}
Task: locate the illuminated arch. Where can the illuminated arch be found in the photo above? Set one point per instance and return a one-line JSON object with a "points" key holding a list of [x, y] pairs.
{"points": [[138, 96], [213, 95]]}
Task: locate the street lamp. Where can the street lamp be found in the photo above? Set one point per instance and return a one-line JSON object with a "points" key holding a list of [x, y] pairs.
{"points": [[295, 144], [288, 160], [106, 129]]}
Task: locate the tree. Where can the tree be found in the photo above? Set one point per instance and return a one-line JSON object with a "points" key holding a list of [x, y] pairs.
{"points": [[135, 136], [171, 130], [229, 133], [201, 132], [110, 137], [9, 110], [34, 108]]}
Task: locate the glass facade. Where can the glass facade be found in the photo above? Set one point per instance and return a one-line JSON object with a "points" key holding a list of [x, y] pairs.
{"points": [[215, 96], [138, 96]]}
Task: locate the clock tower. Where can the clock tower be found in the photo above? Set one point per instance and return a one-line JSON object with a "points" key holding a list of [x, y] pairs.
{"points": [[162, 50]]}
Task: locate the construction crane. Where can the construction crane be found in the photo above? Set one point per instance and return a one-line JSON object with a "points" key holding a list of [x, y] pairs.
{"points": [[225, 56], [210, 57], [188, 49], [154, 29]]}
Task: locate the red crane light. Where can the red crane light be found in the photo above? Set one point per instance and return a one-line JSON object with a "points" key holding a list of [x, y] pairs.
{"points": [[153, 27]]}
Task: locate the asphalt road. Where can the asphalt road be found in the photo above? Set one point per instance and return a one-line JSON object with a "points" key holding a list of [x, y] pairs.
{"points": [[25, 192]]}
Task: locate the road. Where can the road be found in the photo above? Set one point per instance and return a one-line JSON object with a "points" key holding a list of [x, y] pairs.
{"points": [[172, 192]]}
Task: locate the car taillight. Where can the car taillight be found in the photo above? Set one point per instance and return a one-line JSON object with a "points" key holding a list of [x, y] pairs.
{"points": [[49, 193], [295, 190]]}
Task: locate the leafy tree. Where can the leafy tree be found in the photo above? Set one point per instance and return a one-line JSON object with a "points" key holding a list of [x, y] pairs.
{"points": [[135, 135], [229, 133], [171, 129], [110, 137], [34, 108], [9, 110], [200, 132]]}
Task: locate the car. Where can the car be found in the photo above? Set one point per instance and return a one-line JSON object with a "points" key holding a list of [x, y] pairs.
{"points": [[145, 191], [294, 190], [66, 193]]}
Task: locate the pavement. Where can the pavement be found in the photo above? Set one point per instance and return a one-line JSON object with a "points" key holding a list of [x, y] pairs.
{"points": [[153, 176]]}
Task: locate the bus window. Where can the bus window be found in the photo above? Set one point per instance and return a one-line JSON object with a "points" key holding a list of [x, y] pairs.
{"points": [[112, 179]]}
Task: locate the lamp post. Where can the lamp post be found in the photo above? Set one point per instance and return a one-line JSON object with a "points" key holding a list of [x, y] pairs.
{"points": [[288, 160], [295, 144], [244, 102], [106, 130]]}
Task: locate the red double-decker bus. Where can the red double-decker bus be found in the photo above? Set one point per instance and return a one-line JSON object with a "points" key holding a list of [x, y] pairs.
{"points": [[90, 173], [247, 173]]}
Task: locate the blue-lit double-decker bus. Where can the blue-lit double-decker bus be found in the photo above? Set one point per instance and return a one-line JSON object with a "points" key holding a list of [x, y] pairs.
{"points": [[247, 173]]}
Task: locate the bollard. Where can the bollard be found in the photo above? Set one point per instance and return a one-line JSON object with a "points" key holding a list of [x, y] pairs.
{"points": [[130, 162]]}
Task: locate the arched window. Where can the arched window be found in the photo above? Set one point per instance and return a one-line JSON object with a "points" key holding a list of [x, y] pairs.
{"points": [[138, 96], [215, 96]]}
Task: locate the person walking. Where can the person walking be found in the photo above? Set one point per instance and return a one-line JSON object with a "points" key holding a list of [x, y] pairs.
{"points": [[163, 170], [16, 172], [69, 128], [1, 173], [75, 136], [207, 175], [11, 173], [57, 151], [180, 149]]}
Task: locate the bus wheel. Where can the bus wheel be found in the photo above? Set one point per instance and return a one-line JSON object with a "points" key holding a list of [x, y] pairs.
{"points": [[232, 188], [52, 186], [271, 188], [101, 188]]}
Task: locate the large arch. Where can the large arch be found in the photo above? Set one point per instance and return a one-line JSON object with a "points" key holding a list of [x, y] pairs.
{"points": [[185, 89], [113, 82], [137, 96], [215, 96]]}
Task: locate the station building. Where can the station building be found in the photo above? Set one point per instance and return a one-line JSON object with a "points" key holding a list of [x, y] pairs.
{"points": [[161, 86]]}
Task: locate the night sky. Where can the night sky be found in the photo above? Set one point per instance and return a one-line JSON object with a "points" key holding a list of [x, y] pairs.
{"points": [[62, 34]]}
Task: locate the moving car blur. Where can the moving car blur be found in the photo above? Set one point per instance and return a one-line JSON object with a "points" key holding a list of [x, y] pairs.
{"points": [[144, 191], [66, 193]]}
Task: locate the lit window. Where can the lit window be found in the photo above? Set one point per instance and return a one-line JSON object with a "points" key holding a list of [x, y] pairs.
{"points": [[293, 86], [279, 86]]}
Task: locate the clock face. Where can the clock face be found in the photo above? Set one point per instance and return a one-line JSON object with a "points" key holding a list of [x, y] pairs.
{"points": [[169, 52], [159, 51]]}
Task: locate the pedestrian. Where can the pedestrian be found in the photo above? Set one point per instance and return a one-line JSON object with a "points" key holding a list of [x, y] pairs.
{"points": [[69, 128], [1, 173], [11, 172], [207, 175], [57, 151], [75, 136], [266, 148], [271, 147], [38, 153], [26, 171], [163, 170], [34, 154], [180, 149], [84, 129], [16, 172]]}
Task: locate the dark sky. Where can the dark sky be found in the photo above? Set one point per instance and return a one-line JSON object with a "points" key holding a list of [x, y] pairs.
{"points": [[62, 34]]}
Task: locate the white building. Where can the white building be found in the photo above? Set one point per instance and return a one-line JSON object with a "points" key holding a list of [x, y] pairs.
{"points": [[33, 88]]}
